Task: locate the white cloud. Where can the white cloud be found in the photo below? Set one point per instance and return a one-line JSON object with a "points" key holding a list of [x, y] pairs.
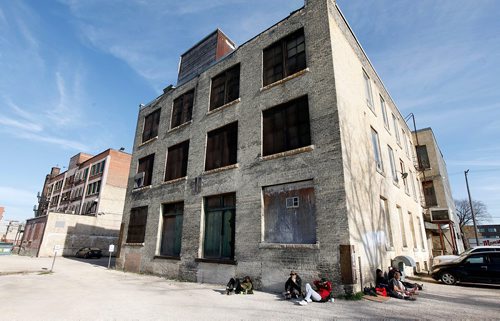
{"points": [[32, 127], [18, 203]]}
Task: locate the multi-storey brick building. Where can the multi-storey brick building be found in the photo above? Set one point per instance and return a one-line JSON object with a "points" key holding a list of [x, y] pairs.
{"points": [[285, 153], [441, 222], [82, 206]]}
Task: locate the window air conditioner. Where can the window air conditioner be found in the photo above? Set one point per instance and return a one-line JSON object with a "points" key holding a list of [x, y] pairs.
{"points": [[139, 180]]}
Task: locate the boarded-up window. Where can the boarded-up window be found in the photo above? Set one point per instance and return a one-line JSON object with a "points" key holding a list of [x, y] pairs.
{"points": [[284, 57], [423, 157], [151, 123], [137, 225], [225, 87], [220, 212], [146, 167], [177, 159], [172, 229], [222, 145], [290, 224], [429, 193], [286, 126], [183, 109]]}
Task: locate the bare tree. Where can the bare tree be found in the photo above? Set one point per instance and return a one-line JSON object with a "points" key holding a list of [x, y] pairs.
{"points": [[464, 213]]}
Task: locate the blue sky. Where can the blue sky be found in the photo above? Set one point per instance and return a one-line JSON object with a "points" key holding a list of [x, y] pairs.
{"points": [[74, 72]]}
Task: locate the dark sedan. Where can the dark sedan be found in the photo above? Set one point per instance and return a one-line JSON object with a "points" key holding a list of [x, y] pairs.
{"points": [[89, 252], [482, 267]]}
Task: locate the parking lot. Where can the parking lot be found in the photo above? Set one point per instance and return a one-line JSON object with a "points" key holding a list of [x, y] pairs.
{"points": [[81, 289]]}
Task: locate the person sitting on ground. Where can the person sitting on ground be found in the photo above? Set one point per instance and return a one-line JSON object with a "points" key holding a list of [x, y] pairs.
{"points": [[381, 281], [246, 286], [408, 285], [323, 293], [293, 286], [398, 290]]}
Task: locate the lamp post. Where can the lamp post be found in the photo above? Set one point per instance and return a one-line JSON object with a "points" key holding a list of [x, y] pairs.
{"points": [[471, 208]]}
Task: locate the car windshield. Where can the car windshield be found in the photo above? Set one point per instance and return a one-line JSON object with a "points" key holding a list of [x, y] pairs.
{"points": [[463, 255]]}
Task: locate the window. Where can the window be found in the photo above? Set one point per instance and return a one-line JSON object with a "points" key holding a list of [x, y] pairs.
{"points": [[423, 157], [402, 226], [412, 229], [396, 128], [376, 151], [290, 213], [220, 212], [384, 113], [85, 173], [395, 177], [422, 239], [183, 109], [151, 123], [225, 87], [97, 168], [492, 229], [172, 229], [94, 188], [475, 259], [177, 159], [137, 225], [405, 178], [145, 167], [413, 191], [222, 145], [368, 90], [407, 151], [429, 193], [286, 126], [284, 57], [386, 217]]}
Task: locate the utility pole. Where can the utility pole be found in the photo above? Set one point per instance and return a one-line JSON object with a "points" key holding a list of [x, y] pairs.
{"points": [[471, 208]]}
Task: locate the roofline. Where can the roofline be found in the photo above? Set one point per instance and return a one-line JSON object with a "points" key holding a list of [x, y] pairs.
{"points": [[205, 38]]}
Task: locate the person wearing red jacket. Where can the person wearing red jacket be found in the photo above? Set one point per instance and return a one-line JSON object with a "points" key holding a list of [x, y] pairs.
{"points": [[322, 293]]}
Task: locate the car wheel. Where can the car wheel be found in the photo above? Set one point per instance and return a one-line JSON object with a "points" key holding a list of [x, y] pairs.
{"points": [[86, 256], [448, 278]]}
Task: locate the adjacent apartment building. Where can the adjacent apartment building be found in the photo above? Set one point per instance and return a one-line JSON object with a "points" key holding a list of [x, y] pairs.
{"points": [[488, 235], [80, 207], [441, 221], [284, 153]]}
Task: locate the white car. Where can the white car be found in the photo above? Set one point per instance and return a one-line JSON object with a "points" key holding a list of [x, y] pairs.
{"points": [[448, 258]]}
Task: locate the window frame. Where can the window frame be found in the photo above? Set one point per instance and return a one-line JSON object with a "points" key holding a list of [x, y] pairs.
{"points": [[140, 234], [379, 163], [368, 91], [151, 125], [182, 109], [229, 82], [225, 209], [177, 214], [148, 175], [216, 153], [383, 107], [181, 152]]}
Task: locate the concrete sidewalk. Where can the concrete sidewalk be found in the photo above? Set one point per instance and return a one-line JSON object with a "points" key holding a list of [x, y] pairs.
{"points": [[87, 290]]}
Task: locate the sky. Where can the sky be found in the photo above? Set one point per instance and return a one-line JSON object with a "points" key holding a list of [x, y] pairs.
{"points": [[73, 73]]}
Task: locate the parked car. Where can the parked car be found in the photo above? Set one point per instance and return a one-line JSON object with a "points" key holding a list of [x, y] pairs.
{"points": [[448, 258], [89, 252], [476, 267]]}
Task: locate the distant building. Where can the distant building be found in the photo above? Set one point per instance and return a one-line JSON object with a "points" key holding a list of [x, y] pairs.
{"points": [[487, 235], [80, 207], [286, 153], [2, 210], [441, 222]]}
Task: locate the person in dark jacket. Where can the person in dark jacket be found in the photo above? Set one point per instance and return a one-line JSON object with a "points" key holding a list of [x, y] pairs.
{"points": [[293, 286], [381, 281]]}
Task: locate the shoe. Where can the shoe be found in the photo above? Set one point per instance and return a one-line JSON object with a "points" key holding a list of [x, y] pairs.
{"points": [[410, 298], [303, 302], [308, 300]]}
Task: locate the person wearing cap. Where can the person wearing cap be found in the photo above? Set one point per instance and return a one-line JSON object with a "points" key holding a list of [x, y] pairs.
{"points": [[322, 294], [293, 286]]}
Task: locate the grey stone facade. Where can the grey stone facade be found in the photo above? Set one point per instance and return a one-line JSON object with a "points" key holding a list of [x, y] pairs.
{"points": [[322, 162]]}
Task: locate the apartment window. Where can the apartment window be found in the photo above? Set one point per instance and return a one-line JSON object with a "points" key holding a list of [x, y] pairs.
{"points": [[183, 109], [368, 90], [225, 87], [402, 226], [137, 225], [429, 193], [286, 126], [384, 113], [393, 165], [145, 171], [172, 229], [177, 159], [97, 168], [423, 157], [85, 173], [220, 215], [386, 217], [290, 213], [412, 229], [422, 238], [151, 123], [222, 145], [284, 57], [407, 151], [94, 188], [413, 191], [376, 151], [405, 179], [396, 129]]}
